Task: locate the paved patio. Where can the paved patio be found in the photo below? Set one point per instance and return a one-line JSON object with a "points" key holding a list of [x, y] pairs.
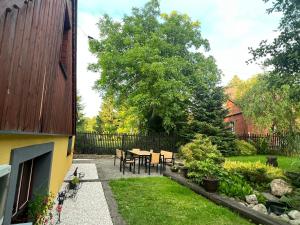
{"points": [[107, 171]]}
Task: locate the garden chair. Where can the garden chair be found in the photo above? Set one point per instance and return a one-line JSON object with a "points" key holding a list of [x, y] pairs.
{"points": [[128, 159], [168, 157], [118, 154], [153, 160]]}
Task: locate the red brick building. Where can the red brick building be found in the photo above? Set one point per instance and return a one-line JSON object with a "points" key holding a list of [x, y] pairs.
{"points": [[238, 123]]}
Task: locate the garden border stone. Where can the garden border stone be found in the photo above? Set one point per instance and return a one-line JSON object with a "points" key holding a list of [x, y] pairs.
{"points": [[254, 216]]}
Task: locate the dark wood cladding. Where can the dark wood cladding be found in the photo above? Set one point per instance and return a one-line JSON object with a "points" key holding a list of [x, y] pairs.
{"points": [[35, 94]]}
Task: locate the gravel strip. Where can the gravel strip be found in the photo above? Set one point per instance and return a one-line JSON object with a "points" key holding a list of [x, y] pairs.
{"points": [[88, 208]]}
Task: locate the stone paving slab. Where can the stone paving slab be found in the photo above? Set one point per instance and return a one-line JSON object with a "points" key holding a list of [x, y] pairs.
{"points": [[89, 170], [107, 170]]}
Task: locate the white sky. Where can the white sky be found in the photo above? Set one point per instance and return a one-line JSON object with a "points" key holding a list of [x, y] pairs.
{"points": [[231, 27]]}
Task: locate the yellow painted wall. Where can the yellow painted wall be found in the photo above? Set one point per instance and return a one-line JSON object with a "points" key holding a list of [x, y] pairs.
{"points": [[60, 163]]}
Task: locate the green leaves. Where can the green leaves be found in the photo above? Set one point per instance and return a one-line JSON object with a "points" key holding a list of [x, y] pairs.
{"points": [[282, 55], [149, 61], [271, 109]]}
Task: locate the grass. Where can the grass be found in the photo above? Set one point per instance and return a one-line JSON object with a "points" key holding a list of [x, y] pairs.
{"points": [[159, 200], [284, 162]]}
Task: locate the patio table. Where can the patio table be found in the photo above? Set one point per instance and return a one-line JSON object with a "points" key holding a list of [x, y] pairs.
{"points": [[140, 154]]}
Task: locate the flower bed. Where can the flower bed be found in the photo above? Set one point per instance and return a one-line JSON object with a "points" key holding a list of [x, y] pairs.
{"points": [[255, 185]]}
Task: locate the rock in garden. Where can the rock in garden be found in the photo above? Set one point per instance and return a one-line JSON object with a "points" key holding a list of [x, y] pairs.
{"points": [[285, 217], [273, 215], [251, 199], [270, 197], [279, 187], [250, 205], [294, 214], [295, 222], [260, 208], [243, 204]]}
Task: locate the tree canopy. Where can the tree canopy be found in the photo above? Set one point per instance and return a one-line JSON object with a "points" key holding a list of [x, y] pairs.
{"points": [[268, 107], [282, 55], [150, 62]]}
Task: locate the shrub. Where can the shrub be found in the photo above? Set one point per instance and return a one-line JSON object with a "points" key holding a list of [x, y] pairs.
{"points": [[204, 169], [233, 185], [262, 145], [256, 173], [245, 148], [260, 197], [201, 148], [39, 209], [294, 178], [292, 200]]}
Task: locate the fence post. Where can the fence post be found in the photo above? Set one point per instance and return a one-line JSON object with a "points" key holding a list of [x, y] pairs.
{"points": [[123, 141]]}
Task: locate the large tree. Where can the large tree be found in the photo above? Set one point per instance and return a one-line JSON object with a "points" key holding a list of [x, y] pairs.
{"points": [[207, 111], [270, 108], [282, 55], [107, 119], [148, 61], [80, 119]]}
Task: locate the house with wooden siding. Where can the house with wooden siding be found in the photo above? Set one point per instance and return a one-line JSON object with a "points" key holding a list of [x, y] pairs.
{"points": [[37, 100]]}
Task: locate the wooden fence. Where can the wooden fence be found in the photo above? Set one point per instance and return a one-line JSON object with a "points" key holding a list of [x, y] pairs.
{"points": [[274, 142], [106, 144]]}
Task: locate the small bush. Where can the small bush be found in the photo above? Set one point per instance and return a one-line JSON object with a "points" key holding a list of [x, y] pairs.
{"points": [[39, 208], [245, 148], [258, 174], [260, 198], [201, 149], [235, 186], [262, 146], [292, 200], [204, 169]]}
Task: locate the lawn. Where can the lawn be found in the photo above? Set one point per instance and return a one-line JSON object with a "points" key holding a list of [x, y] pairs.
{"points": [[284, 162], [159, 200]]}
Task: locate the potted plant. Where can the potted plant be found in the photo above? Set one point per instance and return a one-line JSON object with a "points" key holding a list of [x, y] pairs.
{"points": [[73, 183], [206, 173], [210, 183]]}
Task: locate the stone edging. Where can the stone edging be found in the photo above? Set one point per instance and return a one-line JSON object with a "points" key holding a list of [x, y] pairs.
{"points": [[112, 204], [254, 216]]}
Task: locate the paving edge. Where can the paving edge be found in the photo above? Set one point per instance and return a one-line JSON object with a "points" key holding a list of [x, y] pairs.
{"points": [[254, 216], [112, 204]]}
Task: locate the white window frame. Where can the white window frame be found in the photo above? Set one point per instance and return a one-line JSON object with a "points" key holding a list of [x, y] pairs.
{"points": [[232, 126], [20, 186]]}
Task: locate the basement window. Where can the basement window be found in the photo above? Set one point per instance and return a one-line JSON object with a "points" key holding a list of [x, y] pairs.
{"points": [[65, 46], [4, 178], [23, 188], [70, 142]]}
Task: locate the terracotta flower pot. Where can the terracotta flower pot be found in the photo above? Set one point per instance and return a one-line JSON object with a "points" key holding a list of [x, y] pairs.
{"points": [[210, 185]]}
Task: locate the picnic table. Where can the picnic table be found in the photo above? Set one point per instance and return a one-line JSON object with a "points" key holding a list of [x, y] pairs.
{"points": [[140, 155]]}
